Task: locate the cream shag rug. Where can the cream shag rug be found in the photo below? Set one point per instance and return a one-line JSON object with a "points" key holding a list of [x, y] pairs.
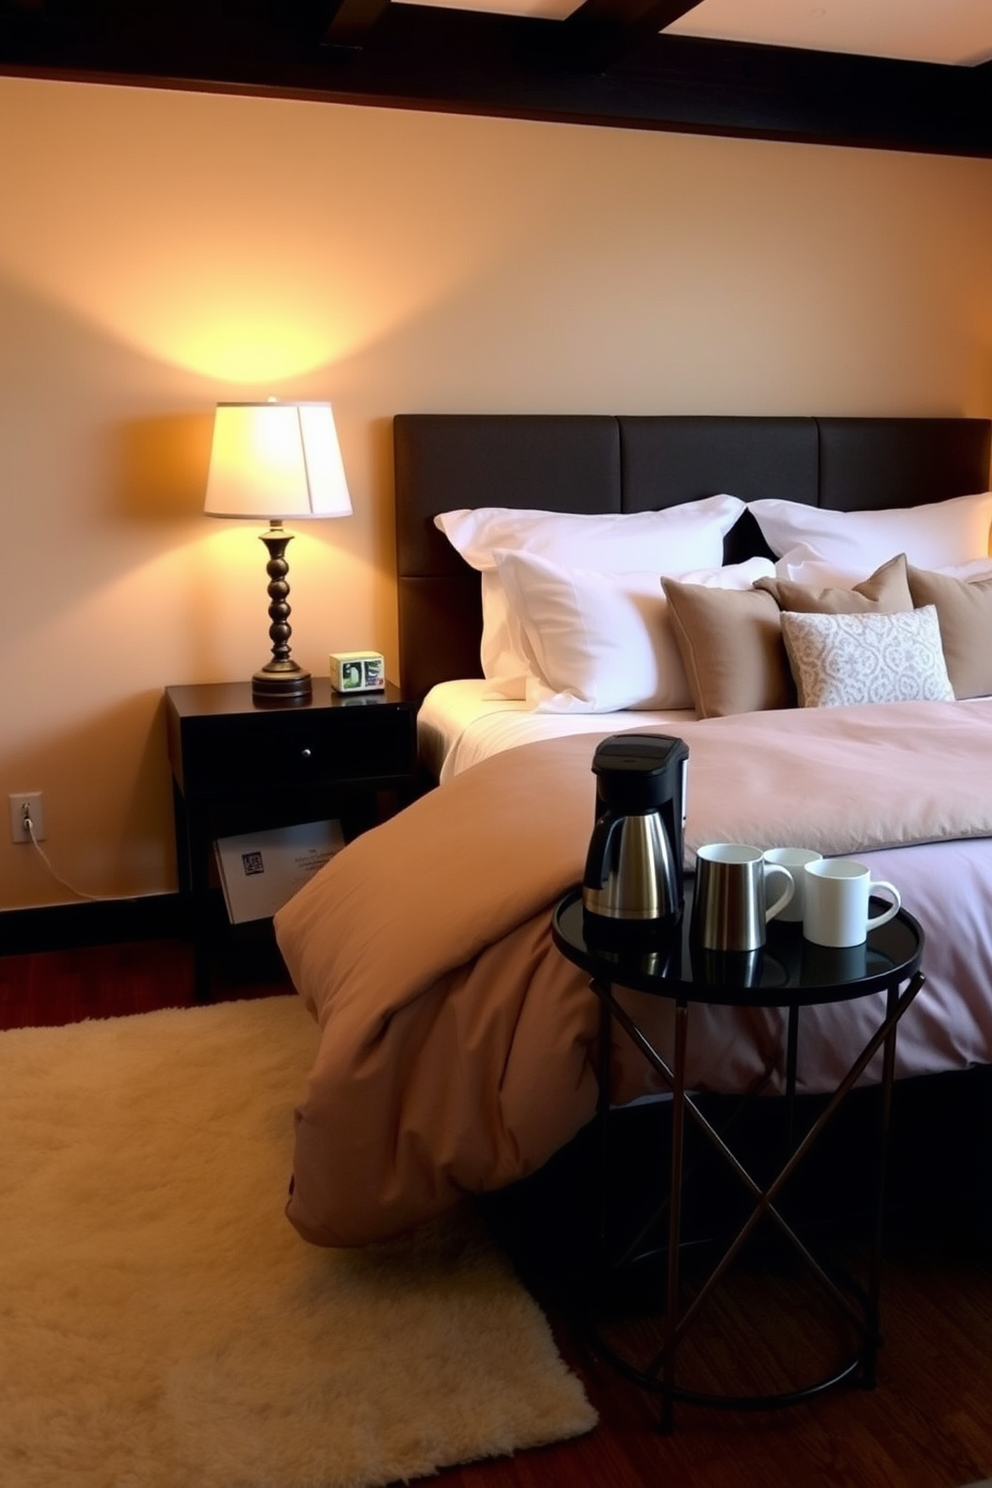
{"points": [[163, 1326]]}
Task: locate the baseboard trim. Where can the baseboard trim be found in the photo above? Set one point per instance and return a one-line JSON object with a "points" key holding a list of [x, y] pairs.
{"points": [[66, 927]]}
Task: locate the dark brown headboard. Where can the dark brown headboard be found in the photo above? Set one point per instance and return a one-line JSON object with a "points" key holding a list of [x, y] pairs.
{"points": [[607, 463]]}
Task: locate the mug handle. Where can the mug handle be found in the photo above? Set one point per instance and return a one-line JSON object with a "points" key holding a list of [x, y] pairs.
{"points": [[790, 889], [894, 907]]}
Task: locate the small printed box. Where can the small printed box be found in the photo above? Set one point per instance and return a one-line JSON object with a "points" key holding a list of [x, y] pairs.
{"points": [[357, 671]]}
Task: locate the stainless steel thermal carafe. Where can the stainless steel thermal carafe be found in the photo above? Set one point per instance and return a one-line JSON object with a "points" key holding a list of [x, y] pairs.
{"points": [[634, 873]]}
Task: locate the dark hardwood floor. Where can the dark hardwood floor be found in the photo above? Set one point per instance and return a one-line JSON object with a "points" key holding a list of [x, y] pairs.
{"points": [[927, 1424], [56, 987]]}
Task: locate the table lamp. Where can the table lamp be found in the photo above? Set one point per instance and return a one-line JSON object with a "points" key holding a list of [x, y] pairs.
{"points": [[277, 461]]}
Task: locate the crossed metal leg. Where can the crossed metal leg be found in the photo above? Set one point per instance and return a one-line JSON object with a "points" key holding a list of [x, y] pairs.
{"points": [[660, 1373]]}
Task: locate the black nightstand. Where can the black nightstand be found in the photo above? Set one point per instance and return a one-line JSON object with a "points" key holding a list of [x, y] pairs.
{"points": [[240, 766]]}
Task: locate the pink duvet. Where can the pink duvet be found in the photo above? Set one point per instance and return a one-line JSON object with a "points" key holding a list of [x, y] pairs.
{"points": [[456, 1042]]}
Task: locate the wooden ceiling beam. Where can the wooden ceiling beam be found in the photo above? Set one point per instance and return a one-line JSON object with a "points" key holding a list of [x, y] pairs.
{"points": [[473, 62], [601, 32], [352, 22]]}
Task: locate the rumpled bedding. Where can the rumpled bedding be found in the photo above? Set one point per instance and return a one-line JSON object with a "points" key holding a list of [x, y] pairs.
{"points": [[457, 1048]]}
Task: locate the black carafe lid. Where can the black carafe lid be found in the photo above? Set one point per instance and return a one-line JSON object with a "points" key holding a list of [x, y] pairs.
{"points": [[638, 772]]}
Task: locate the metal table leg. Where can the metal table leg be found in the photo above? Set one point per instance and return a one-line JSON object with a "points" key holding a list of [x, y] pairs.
{"points": [[660, 1374]]}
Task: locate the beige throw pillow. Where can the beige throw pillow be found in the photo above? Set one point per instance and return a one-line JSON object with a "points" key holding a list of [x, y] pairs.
{"points": [[731, 647], [964, 613], [886, 590], [731, 642]]}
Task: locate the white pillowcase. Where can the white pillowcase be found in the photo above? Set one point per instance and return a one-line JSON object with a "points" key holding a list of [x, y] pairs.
{"points": [[805, 565], [673, 541], [937, 535], [838, 660], [599, 642]]}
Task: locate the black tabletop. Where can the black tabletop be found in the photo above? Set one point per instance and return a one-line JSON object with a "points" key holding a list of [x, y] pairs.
{"points": [[787, 971], [217, 699]]}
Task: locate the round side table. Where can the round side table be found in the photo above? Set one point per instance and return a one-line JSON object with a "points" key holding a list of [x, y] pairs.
{"points": [[789, 973]]}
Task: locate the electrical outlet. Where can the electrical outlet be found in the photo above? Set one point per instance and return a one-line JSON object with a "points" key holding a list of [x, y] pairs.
{"points": [[22, 805]]}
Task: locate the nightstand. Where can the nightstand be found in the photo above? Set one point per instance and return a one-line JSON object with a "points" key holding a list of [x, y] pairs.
{"points": [[240, 766]]}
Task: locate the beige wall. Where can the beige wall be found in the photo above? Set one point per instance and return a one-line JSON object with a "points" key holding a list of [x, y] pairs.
{"points": [[161, 251]]}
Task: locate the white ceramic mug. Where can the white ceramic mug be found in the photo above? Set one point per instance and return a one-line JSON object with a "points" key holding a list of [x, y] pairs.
{"points": [[794, 860], [837, 892]]}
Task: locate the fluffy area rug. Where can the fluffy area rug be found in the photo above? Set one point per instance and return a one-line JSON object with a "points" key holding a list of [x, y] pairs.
{"points": [[161, 1323]]}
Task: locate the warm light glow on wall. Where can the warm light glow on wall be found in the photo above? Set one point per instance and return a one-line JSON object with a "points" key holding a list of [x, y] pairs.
{"points": [[268, 318], [248, 240], [248, 349], [250, 322]]}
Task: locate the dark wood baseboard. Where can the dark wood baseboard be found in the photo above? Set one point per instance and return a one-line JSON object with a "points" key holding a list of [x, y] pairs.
{"points": [[67, 927]]}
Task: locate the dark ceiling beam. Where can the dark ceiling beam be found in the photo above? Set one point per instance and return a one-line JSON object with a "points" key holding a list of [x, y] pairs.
{"points": [[472, 62], [601, 32], [353, 22]]}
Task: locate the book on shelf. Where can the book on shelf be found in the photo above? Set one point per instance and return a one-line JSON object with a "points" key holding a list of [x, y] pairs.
{"points": [[260, 871]]}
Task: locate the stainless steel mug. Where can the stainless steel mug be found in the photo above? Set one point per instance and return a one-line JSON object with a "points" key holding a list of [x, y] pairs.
{"points": [[731, 908]]}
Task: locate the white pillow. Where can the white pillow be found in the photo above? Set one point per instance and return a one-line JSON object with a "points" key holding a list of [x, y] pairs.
{"points": [[805, 565], [940, 534], [673, 541], [838, 660], [978, 568], [600, 642]]}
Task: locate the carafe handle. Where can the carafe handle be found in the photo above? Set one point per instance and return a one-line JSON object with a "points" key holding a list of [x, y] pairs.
{"points": [[598, 856]]}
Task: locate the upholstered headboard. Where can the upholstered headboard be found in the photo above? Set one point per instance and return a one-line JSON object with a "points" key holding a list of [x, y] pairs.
{"points": [[607, 463]]}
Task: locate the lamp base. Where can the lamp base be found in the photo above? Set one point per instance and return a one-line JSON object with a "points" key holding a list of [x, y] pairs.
{"points": [[281, 682]]}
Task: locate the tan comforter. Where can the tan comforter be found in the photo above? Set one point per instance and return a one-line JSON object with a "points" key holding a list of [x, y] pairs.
{"points": [[456, 1045]]}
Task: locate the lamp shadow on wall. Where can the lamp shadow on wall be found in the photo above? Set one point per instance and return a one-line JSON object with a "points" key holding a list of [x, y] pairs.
{"points": [[161, 466], [157, 465]]}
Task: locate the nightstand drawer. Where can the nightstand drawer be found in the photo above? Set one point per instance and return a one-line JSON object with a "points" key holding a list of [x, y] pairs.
{"points": [[217, 746], [361, 747]]}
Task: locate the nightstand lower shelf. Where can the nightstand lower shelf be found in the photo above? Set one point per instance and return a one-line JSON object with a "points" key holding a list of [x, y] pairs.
{"points": [[239, 766]]}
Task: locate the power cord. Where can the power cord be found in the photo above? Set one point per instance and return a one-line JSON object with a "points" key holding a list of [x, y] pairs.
{"points": [[28, 825]]}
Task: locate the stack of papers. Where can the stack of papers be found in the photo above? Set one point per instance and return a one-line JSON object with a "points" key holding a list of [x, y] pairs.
{"points": [[261, 871]]}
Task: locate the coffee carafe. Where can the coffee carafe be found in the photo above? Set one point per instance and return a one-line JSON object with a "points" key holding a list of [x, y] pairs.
{"points": [[633, 879]]}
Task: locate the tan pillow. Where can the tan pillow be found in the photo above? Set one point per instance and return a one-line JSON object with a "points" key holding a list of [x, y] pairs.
{"points": [[731, 645], [964, 613], [886, 590], [731, 642]]}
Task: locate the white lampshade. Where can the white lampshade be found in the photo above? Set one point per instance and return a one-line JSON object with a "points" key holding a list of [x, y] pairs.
{"points": [[276, 460]]}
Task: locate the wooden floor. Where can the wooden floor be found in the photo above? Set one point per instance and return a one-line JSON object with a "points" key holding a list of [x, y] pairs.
{"points": [[927, 1424]]}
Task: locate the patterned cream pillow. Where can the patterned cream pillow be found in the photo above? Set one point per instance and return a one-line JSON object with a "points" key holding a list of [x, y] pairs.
{"points": [[837, 660]]}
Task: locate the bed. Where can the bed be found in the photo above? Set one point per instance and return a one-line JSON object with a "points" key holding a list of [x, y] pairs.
{"points": [[457, 1044]]}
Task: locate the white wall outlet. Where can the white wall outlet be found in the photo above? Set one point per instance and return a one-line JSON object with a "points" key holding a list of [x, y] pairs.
{"points": [[25, 804]]}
